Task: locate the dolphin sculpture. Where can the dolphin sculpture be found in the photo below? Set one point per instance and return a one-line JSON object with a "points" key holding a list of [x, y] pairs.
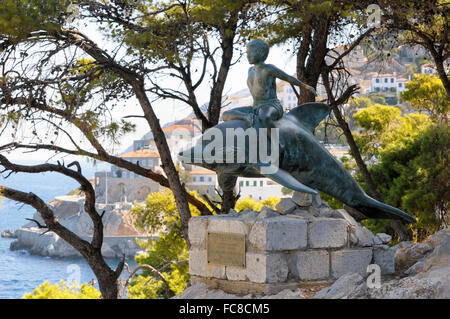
{"points": [[304, 164]]}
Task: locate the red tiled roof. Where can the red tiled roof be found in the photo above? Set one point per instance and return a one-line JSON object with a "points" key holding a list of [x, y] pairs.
{"points": [[203, 171], [179, 127], [384, 75], [143, 153]]}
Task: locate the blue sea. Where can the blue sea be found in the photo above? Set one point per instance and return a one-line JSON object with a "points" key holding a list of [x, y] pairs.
{"points": [[21, 272]]}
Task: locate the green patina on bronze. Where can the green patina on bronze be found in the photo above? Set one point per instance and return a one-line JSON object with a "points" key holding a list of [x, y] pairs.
{"points": [[304, 164]]}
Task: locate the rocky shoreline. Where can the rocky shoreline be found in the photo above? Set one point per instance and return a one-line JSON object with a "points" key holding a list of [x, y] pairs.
{"points": [[119, 231]]}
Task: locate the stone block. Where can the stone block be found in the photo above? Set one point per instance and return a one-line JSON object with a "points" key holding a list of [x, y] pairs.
{"points": [[279, 233], [197, 262], [236, 273], [384, 238], [197, 230], [350, 261], [384, 256], [285, 206], [267, 212], [225, 224], [266, 268], [302, 199], [198, 265], [364, 237], [328, 233], [310, 265]]}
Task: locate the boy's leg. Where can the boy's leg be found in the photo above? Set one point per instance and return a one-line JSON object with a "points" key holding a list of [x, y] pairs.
{"points": [[267, 115], [238, 113]]}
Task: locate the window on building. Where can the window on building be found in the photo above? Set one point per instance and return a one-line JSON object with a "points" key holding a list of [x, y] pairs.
{"points": [[400, 85], [261, 183], [392, 80], [385, 80], [377, 80], [241, 183], [202, 179], [355, 52], [209, 179], [247, 183], [254, 183], [194, 179]]}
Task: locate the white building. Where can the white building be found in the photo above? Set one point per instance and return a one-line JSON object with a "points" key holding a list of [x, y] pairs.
{"points": [[401, 84], [258, 188], [384, 83], [203, 180]]}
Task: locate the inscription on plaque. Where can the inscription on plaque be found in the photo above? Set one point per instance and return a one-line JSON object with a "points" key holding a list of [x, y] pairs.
{"points": [[226, 249]]}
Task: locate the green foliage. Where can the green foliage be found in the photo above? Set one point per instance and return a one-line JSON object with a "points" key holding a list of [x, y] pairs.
{"points": [[250, 203], [427, 94], [18, 18], [410, 164], [384, 129], [75, 191], [270, 202], [247, 203], [331, 201], [286, 191], [63, 290], [378, 98], [415, 177], [168, 254]]}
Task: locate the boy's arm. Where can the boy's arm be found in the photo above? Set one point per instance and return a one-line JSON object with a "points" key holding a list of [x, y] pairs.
{"points": [[277, 73]]}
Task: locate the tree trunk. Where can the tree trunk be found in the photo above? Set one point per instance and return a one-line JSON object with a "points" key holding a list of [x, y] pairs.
{"points": [[227, 183], [107, 278], [441, 72], [166, 158]]}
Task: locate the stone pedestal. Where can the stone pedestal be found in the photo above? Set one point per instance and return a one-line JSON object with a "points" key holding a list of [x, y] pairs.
{"points": [[284, 251]]}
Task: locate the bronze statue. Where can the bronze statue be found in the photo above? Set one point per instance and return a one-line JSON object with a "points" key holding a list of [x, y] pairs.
{"points": [[304, 164]]}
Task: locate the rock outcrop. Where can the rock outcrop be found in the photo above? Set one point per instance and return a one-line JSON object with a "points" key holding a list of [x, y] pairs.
{"points": [[9, 233], [428, 276], [119, 231]]}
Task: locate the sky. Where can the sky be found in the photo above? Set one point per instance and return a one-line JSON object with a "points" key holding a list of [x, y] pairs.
{"points": [[166, 110]]}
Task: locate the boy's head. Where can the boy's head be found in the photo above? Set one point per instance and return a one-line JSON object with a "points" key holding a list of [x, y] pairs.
{"points": [[257, 51]]}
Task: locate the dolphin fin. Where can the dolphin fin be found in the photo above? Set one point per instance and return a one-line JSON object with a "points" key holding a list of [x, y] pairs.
{"points": [[286, 179], [310, 114]]}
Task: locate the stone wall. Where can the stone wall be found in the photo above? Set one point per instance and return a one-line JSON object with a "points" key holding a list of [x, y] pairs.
{"points": [[123, 189], [289, 248], [51, 245]]}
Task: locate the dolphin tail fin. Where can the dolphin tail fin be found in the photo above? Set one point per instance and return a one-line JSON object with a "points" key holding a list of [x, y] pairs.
{"points": [[310, 114], [375, 209], [284, 178]]}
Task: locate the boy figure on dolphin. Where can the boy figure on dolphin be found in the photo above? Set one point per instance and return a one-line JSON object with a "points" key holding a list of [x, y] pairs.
{"points": [[261, 82]]}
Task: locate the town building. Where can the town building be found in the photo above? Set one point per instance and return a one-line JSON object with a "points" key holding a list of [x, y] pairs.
{"points": [[203, 181], [121, 185], [258, 188]]}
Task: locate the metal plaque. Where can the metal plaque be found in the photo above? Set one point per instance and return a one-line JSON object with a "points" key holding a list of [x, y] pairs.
{"points": [[226, 249]]}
